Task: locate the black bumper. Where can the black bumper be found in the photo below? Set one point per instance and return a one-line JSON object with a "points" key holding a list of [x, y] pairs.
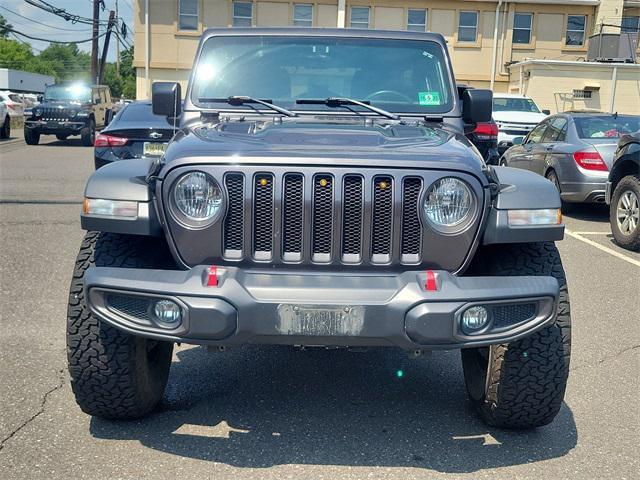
{"points": [[381, 310], [54, 128]]}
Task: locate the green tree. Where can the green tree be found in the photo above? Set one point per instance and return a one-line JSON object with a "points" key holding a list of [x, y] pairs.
{"points": [[4, 33], [67, 62]]}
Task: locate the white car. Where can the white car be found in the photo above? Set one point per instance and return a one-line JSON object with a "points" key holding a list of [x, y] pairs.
{"points": [[516, 116], [5, 121], [13, 102]]}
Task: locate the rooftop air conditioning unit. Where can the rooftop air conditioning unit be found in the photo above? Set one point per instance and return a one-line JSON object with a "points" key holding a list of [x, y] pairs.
{"points": [[612, 47]]}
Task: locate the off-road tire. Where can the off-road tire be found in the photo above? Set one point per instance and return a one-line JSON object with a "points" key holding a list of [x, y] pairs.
{"points": [[114, 374], [629, 241], [6, 128], [526, 378], [31, 137], [88, 134], [62, 138]]}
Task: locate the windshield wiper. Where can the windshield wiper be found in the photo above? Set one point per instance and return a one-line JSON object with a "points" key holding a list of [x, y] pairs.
{"points": [[341, 101], [242, 100]]}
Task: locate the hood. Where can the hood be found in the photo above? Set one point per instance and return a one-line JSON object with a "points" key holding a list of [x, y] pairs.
{"points": [[295, 141], [62, 104], [518, 117]]}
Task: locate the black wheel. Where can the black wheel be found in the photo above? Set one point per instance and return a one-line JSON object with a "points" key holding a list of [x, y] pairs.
{"points": [[62, 137], [5, 132], [521, 385], [624, 213], [88, 134], [31, 137], [114, 374]]}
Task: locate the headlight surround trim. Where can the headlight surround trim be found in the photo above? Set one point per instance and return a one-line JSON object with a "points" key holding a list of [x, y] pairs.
{"points": [[183, 216]]}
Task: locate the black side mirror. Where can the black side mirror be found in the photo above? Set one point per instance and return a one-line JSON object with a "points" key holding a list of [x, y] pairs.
{"points": [[166, 99], [546, 111], [477, 105]]}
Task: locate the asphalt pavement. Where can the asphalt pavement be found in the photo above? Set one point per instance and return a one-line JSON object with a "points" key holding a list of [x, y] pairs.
{"points": [[278, 413]]}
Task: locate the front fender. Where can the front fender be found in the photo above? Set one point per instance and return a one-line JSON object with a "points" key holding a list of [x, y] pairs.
{"points": [[521, 190], [123, 180]]}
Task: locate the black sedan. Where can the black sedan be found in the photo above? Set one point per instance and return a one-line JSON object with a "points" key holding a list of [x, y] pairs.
{"points": [[135, 132]]}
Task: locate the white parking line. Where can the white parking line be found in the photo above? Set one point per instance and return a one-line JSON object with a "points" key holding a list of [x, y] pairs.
{"points": [[592, 233], [578, 236]]}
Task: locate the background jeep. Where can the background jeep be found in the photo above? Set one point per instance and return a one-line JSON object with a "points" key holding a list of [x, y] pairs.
{"points": [[69, 109], [320, 191]]}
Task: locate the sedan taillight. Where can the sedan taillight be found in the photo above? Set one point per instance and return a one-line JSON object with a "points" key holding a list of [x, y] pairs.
{"points": [[104, 140], [590, 161]]}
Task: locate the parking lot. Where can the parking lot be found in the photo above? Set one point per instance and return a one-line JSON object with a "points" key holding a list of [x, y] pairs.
{"points": [[267, 412]]}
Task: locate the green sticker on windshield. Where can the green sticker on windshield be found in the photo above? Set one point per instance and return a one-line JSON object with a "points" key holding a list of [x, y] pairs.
{"points": [[429, 98]]}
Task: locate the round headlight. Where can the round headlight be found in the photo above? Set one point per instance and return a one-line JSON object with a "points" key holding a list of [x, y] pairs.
{"points": [[72, 113], [449, 205], [198, 196], [37, 112]]}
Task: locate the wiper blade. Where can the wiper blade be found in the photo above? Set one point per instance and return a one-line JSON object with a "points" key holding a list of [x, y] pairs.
{"points": [[241, 100], [341, 101]]}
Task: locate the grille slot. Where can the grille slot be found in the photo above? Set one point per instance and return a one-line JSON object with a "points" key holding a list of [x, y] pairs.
{"points": [[352, 217], [382, 220], [292, 217], [411, 242], [234, 220], [135, 307], [322, 217], [263, 217]]}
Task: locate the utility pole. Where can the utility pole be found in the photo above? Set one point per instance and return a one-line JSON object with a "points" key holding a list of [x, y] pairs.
{"points": [[94, 42], [105, 48], [117, 43]]}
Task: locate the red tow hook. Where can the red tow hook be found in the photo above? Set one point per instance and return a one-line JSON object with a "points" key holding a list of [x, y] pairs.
{"points": [[431, 285], [212, 276]]}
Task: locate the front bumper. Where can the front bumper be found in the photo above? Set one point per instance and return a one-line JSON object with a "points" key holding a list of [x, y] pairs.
{"points": [[62, 127], [257, 307]]}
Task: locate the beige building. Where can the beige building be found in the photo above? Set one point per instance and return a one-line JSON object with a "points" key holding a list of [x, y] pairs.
{"points": [[485, 37]]}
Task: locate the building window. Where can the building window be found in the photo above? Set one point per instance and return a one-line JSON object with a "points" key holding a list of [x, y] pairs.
{"points": [[303, 15], [468, 26], [630, 25], [417, 20], [522, 28], [576, 26], [582, 94], [188, 14], [242, 14], [359, 17]]}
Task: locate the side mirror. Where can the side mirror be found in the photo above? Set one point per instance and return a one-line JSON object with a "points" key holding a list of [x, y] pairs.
{"points": [[477, 105], [517, 140], [166, 99], [546, 111], [40, 98]]}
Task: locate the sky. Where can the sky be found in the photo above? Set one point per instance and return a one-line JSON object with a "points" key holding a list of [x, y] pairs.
{"points": [[72, 32]]}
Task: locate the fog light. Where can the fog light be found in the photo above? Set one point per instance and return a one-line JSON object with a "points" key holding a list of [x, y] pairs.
{"points": [[167, 313], [474, 318]]}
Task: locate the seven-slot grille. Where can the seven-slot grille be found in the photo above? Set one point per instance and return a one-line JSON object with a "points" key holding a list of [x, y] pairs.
{"points": [[323, 218], [49, 113]]}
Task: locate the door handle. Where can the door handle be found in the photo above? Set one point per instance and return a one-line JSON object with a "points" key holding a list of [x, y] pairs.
{"points": [[549, 148]]}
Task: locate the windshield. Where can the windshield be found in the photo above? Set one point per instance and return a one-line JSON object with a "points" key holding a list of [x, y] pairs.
{"points": [[514, 105], [395, 75], [606, 126], [71, 93]]}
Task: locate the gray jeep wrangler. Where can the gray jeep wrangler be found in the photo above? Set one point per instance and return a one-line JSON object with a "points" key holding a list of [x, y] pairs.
{"points": [[320, 191]]}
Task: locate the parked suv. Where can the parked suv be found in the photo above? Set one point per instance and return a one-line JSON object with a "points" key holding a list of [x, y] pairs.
{"points": [[516, 116], [69, 109], [320, 192]]}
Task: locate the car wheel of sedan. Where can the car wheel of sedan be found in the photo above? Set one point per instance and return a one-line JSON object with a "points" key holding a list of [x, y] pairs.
{"points": [[521, 385], [624, 213], [6, 128], [114, 374], [88, 134], [31, 137]]}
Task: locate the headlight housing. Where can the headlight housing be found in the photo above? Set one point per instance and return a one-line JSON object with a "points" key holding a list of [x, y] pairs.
{"points": [[72, 113], [37, 111], [450, 205], [198, 197]]}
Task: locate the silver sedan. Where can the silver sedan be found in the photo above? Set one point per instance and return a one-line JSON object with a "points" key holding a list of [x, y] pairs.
{"points": [[574, 151]]}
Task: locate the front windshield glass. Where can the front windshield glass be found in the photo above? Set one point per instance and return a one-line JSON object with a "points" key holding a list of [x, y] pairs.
{"points": [[395, 75], [606, 126], [68, 93], [515, 105]]}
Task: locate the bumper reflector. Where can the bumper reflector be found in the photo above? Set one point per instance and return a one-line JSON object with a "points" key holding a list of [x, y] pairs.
{"points": [[111, 208], [542, 216]]}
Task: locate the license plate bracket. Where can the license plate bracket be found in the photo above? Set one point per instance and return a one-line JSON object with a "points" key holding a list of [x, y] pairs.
{"points": [[321, 320]]}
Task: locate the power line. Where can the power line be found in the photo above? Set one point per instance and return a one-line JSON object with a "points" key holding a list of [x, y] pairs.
{"points": [[46, 25], [61, 12], [53, 41]]}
